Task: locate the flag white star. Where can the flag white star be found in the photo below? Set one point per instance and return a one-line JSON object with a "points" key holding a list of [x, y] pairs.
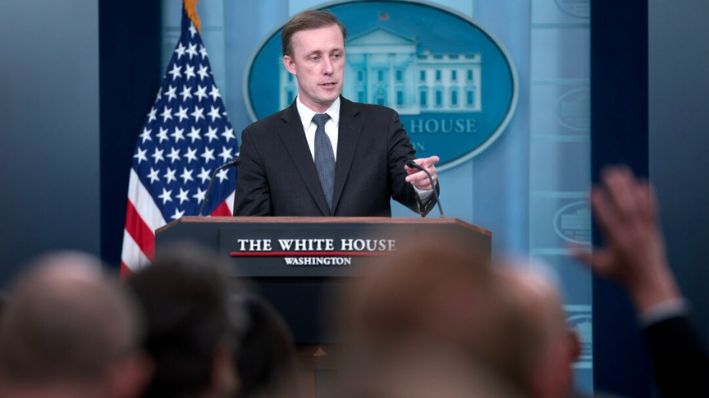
{"points": [[151, 114], [166, 196], [189, 72], [181, 114], [174, 155], [192, 50], [203, 175], [214, 114], [182, 196], [193, 30], [186, 175], [178, 134], [191, 155], [211, 134], [203, 72], [180, 50], [226, 154], [153, 176], [228, 134], [145, 135], [208, 155], [197, 114], [199, 195], [171, 93], [222, 175], [203, 51], [201, 93], [140, 155], [175, 72], [157, 155], [170, 175], [194, 134], [166, 114], [177, 214], [186, 93], [162, 135], [214, 92]]}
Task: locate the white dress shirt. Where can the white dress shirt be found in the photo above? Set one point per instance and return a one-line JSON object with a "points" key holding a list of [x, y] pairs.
{"points": [[331, 126], [331, 129]]}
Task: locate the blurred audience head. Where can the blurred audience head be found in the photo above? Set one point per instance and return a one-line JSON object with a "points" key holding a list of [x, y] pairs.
{"points": [[265, 352], [420, 369], [68, 331], [443, 294], [555, 346], [184, 296]]}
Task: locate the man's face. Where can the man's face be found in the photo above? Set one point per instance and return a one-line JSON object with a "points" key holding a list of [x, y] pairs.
{"points": [[318, 63]]}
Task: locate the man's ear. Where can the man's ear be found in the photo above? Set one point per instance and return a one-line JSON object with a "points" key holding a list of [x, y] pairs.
{"points": [[130, 377], [575, 346], [289, 63]]}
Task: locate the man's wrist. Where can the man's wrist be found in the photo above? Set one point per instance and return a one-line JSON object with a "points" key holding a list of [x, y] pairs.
{"points": [[660, 287], [423, 194]]}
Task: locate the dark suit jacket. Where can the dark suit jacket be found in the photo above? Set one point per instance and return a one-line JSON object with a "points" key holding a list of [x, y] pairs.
{"points": [[277, 176], [679, 358]]}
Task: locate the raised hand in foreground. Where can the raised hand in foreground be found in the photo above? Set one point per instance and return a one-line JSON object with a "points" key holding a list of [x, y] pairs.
{"points": [[634, 250]]}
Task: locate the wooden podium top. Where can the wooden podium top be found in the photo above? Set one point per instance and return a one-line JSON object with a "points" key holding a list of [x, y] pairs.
{"points": [[327, 220]]}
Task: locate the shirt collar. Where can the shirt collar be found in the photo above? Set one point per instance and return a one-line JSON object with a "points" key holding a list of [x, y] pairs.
{"points": [[306, 114]]}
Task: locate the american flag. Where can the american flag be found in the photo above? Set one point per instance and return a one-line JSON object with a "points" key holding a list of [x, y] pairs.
{"points": [[185, 137]]}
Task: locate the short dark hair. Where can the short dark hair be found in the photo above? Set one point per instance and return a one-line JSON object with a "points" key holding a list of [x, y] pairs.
{"points": [[184, 297], [265, 353], [307, 20]]}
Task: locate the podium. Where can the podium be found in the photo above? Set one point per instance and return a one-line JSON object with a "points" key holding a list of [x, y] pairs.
{"points": [[296, 263]]}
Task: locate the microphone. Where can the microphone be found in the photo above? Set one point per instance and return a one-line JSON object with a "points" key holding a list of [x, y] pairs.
{"points": [[232, 163], [414, 165]]}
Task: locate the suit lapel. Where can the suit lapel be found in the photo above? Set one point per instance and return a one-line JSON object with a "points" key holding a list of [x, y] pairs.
{"points": [[293, 138], [349, 132]]}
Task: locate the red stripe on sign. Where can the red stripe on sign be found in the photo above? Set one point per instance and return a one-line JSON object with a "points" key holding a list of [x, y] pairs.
{"points": [[139, 231], [307, 254]]}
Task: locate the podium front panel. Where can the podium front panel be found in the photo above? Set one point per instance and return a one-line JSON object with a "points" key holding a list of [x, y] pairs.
{"points": [[299, 264]]}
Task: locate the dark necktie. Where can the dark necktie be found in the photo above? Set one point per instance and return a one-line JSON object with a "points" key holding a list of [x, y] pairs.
{"points": [[324, 157]]}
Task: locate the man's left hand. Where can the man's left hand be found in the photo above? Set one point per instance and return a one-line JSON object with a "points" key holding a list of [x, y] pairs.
{"points": [[418, 178]]}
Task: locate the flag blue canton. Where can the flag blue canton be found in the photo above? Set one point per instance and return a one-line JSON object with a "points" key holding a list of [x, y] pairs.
{"points": [[187, 135]]}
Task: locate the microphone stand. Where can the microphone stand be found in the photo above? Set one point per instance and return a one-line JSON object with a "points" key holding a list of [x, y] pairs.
{"points": [[415, 165], [231, 163]]}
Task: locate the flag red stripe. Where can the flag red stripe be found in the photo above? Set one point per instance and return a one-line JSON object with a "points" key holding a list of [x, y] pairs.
{"points": [[139, 231], [222, 210], [125, 271]]}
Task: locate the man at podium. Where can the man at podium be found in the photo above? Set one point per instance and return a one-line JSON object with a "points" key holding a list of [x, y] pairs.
{"points": [[325, 155]]}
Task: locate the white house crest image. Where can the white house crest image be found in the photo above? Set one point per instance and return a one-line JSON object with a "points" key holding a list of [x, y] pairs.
{"points": [[386, 68]]}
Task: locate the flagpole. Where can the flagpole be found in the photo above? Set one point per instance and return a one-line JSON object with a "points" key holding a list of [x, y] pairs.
{"points": [[191, 11]]}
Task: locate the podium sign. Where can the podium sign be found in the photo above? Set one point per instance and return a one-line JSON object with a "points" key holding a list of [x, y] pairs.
{"points": [[306, 250], [309, 247]]}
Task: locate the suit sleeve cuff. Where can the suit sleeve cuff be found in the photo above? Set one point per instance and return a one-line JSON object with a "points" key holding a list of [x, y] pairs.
{"points": [[423, 194], [664, 310]]}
